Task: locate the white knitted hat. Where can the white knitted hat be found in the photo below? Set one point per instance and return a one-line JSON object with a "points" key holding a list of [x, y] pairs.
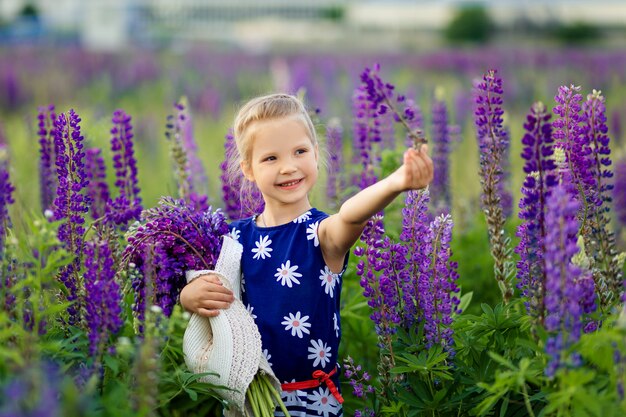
{"points": [[228, 344]]}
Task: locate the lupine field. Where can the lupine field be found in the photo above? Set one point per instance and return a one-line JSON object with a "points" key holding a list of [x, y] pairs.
{"points": [[497, 291]]}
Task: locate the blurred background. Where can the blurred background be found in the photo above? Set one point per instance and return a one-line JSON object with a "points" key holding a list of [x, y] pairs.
{"points": [[271, 25]]}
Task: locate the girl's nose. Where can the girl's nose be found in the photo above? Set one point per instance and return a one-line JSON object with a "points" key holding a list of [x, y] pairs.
{"points": [[288, 168]]}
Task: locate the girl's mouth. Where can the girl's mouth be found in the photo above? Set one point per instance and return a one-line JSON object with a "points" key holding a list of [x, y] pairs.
{"points": [[290, 184]]}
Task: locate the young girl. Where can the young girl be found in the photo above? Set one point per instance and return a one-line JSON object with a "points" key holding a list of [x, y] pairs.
{"points": [[294, 255]]}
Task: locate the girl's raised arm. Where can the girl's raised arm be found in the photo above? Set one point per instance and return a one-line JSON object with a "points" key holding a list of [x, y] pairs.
{"points": [[338, 232]]}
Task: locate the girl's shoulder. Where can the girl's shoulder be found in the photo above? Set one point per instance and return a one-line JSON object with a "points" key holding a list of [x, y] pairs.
{"points": [[237, 224], [236, 227]]}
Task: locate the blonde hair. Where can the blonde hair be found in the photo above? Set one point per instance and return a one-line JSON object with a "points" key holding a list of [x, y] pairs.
{"points": [[273, 106]]}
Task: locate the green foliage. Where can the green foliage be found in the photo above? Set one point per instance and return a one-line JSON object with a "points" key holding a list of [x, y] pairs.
{"points": [[334, 13], [577, 33], [29, 10], [470, 24], [474, 262]]}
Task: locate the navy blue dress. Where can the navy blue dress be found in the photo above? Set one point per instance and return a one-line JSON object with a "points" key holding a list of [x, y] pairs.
{"points": [[294, 299]]}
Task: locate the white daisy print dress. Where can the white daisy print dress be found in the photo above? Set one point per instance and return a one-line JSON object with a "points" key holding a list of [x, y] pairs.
{"points": [[295, 301]]}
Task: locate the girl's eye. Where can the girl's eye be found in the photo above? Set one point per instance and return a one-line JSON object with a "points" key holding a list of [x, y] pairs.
{"points": [[301, 151], [270, 158]]}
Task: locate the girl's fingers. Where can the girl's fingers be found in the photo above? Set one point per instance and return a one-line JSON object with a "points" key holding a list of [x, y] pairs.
{"points": [[422, 173], [214, 305], [420, 167], [215, 296], [220, 289], [207, 313], [211, 279]]}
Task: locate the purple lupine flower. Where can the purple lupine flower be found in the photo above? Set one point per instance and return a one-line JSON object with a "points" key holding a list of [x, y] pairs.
{"points": [[372, 237], [199, 179], [619, 192], [334, 146], [381, 292], [440, 186], [595, 130], [32, 391], [412, 119], [97, 188], [506, 198], [7, 282], [540, 170], [366, 133], [177, 238], [182, 172], [416, 235], [188, 169], [141, 281], [126, 207], [241, 197], [569, 135], [390, 265], [443, 285], [71, 203], [565, 298], [360, 384], [383, 100], [6, 198], [493, 142], [102, 296], [47, 179], [230, 186], [375, 104], [599, 239]]}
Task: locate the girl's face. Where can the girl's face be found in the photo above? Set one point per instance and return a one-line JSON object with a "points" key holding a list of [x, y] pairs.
{"points": [[283, 162]]}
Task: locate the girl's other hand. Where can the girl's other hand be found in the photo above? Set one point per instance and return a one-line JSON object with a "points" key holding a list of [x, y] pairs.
{"points": [[205, 296], [416, 171]]}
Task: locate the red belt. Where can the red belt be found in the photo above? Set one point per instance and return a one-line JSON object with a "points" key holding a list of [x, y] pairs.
{"points": [[320, 377]]}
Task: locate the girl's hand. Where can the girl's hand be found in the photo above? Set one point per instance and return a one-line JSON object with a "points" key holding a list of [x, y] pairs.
{"points": [[205, 296], [416, 171]]}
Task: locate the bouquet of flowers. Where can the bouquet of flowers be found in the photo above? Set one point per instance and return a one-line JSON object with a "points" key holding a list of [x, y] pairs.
{"points": [[174, 243]]}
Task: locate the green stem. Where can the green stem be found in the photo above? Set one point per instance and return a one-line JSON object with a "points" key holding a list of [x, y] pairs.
{"points": [[277, 397], [527, 401], [263, 396], [416, 135], [252, 398]]}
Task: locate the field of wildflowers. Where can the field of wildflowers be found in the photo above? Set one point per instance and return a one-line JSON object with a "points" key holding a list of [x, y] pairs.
{"points": [[496, 292]]}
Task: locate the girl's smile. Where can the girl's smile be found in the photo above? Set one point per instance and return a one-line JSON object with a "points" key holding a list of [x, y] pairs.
{"points": [[290, 185]]}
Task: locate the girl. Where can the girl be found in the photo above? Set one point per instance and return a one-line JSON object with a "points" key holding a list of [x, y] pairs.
{"points": [[294, 255]]}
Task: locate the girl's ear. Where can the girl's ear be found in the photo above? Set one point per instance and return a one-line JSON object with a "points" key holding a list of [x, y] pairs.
{"points": [[247, 171]]}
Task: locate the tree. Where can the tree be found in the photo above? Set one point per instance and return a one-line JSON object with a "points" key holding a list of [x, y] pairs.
{"points": [[470, 24]]}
